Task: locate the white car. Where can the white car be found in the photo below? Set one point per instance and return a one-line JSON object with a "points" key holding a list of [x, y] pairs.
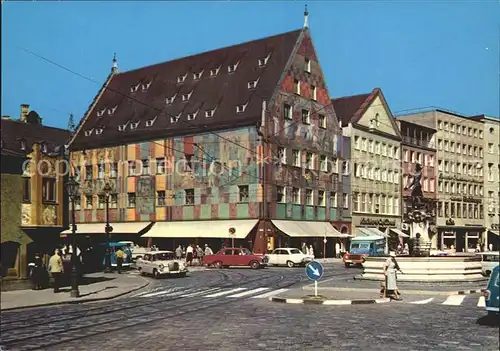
{"points": [[161, 263], [289, 257]]}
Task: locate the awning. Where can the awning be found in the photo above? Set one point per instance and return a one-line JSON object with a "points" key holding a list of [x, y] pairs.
{"points": [[202, 229], [365, 231], [118, 228], [372, 231], [310, 229], [496, 232], [399, 232]]}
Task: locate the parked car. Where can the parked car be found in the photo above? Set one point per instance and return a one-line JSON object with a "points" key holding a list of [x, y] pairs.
{"points": [[241, 257], [489, 260], [289, 257], [491, 293], [161, 263]]}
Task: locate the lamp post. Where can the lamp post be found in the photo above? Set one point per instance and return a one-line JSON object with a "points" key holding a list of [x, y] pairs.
{"points": [[72, 188], [107, 229]]}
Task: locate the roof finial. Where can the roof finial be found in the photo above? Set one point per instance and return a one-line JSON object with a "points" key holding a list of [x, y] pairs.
{"points": [[115, 64], [306, 18]]}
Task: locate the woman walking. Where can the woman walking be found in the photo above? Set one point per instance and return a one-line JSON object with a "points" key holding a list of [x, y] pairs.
{"points": [[390, 268]]}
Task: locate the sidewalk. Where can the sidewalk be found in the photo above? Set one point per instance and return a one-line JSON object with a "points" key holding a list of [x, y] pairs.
{"points": [[350, 285], [100, 287]]}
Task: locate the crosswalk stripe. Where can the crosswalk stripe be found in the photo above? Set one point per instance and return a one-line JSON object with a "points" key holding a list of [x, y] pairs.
{"points": [[212, 290], [250, 292], [166, 292], [481, 302], [422, 302], [269, 294], [454, 300], [222, 293]]}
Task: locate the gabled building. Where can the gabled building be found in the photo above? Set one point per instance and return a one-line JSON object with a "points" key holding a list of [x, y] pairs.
{"points": [[242, 138], [375, 163], [34, 207]]}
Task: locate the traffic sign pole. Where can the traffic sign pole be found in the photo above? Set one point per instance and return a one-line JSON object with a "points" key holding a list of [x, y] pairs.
{"points": [[315, 288], [314, 271]]}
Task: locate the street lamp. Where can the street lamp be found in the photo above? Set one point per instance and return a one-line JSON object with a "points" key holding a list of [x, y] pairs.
{"points": [[72, 187], [107, 229]]}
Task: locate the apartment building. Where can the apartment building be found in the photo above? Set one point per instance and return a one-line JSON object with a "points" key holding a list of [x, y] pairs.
{"points": [[460, 188], [491, 180], [375, 162]]}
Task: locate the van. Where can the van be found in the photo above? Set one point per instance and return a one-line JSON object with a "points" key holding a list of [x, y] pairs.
{"points": [[363, 246], [491, 293], [489, 260]]}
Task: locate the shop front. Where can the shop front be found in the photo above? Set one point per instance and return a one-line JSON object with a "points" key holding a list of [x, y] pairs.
{"points": [[382, 225], [462, 238]]}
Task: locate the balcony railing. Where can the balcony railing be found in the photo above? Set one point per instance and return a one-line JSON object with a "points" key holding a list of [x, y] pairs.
{"points": [[419, 142]]}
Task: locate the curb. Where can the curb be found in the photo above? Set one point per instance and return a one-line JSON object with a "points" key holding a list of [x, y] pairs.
{"points": [[468, 292], [406, 292], [328, 302], [77, 302]]}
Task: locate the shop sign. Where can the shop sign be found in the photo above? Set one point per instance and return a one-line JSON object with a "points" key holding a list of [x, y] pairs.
{"points": [[378, 222]]}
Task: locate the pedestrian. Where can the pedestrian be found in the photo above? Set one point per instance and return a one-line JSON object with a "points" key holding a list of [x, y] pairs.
{"points": [[208, 250], [304, 248], [311, 251], [189, 255], [120, 255], [56, 268], [337, 249], [390, 268], [37, 272], [178, 252], [199, 253]]}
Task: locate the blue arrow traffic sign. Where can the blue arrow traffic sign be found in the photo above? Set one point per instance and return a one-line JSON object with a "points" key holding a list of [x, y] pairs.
{"points": [[314, 270]]}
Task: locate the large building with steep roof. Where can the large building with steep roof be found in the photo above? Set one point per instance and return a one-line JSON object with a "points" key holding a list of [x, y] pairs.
{"points": [[242, 137]]}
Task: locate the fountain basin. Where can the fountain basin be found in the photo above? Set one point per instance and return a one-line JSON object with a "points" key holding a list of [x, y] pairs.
{"points": [[427, 269]]}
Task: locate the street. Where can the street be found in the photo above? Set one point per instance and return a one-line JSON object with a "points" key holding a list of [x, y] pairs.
{"points": [[229, 310]]}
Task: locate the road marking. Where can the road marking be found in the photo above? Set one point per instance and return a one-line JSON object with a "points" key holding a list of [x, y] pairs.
{"points": [[250, 292], [166, 292], [296, 301], [422, 302], [202, 292], [481, 302], [222, 293], [269, 294], [454, 300], [337, 302]]}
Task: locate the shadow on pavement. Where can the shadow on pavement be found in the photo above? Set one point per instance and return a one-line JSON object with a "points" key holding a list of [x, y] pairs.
{"points": [[489, 321], [87, 280]]}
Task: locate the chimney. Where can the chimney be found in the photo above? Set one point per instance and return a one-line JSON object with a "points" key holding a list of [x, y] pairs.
{"points": [[25, 109]]}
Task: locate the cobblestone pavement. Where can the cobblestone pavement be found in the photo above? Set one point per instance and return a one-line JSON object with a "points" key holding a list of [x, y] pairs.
{"points": [[168, 300]]}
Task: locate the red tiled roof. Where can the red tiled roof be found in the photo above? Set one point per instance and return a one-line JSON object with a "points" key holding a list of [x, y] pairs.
{"points": [[156, 83], [350, 109], [13, 131]]}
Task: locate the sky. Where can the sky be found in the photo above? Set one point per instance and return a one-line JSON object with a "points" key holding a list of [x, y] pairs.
{"points": [[421, 53]]}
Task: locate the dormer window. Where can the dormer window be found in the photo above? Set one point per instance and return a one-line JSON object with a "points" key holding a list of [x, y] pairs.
{"points": [[123, 127], [185, 97], [134, 125], [209, 113], [182, 79], [307, 65], [100, 113], [214, 71], [241, 108], [99, 131], [43, 147], [170, 100], [146, 86], [134, 88], [149, 123], [253, 84], [112, 110], [232, 68], [89, 132], [263, 61], [175, 119], [197, 76], [192, 116]]}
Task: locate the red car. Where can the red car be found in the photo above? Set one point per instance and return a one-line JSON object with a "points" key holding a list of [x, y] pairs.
{"points": [[230, 256]]}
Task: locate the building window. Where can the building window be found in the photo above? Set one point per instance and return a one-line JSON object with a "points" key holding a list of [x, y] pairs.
{"points": [[313, 92], [321, 198], [281, 155], [145, 167], [131, 200], [160, 198], [306, 117], [323, 163], [88, 172], [309, 197], [307, 65], [189, 196], [296, 195], [357, 143], [77, 202], [309, 160], [113, 170], [345, 200], [243, 193], [113, 201], [26, 190], [296, 158], [100, 171], [281, 194], [48, 190], [287, 112], [355, 202], [131, 168], [296, 86], [322, 121], [333, 199], [160, 166], [88, 202], [101, 201]]}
